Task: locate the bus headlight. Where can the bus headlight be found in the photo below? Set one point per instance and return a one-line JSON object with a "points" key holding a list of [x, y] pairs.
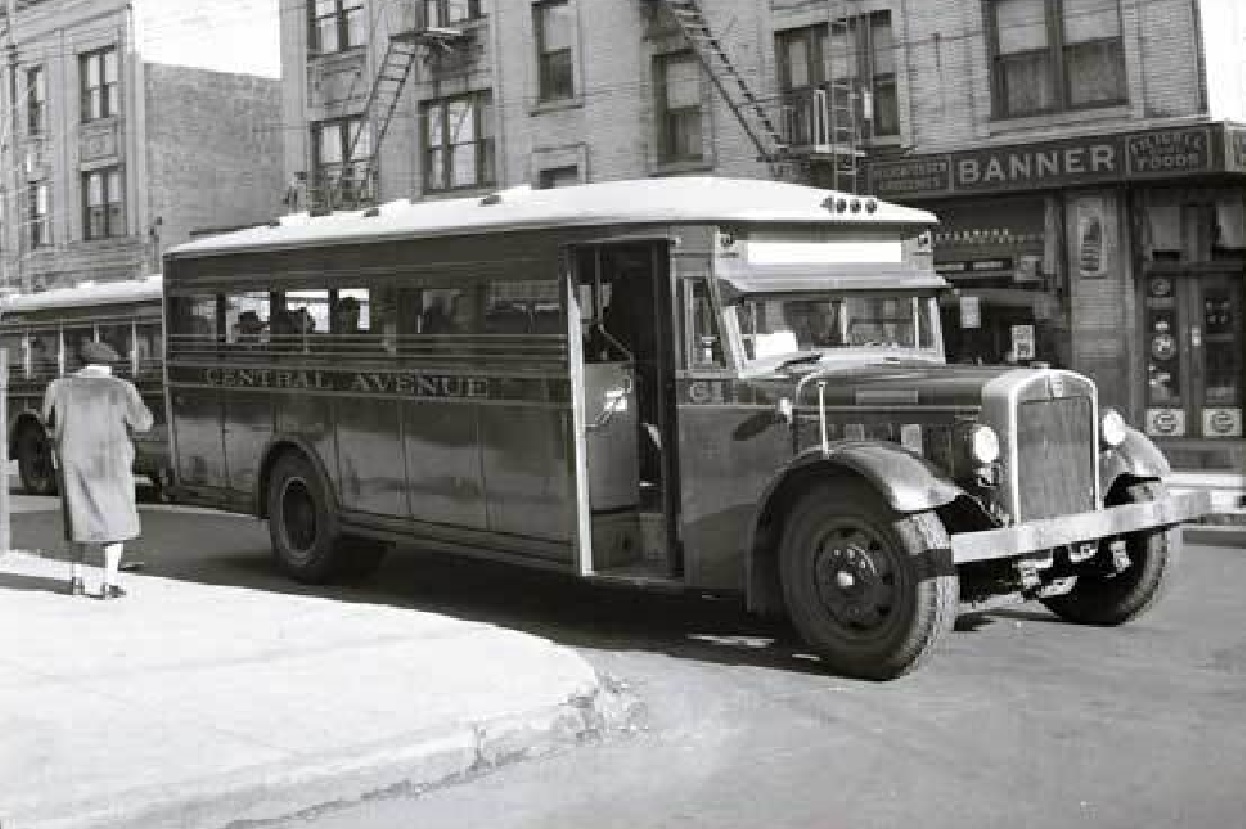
{"points": [[983, 444], [1112, 428]]}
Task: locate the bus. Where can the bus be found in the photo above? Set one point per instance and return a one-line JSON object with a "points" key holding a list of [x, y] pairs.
{"points": [[42, 334], [724, 386]]}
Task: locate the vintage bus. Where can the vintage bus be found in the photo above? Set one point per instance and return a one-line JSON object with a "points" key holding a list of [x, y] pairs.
{"points": [[42, 334], [733, 387]]}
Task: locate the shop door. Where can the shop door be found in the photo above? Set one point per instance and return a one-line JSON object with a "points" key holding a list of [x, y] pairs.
{"points": [[1194, 339]]}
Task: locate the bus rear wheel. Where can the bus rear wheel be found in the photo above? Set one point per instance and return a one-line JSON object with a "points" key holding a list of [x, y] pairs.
{"points": [[303, 529], [34, 461], [862, 585]]}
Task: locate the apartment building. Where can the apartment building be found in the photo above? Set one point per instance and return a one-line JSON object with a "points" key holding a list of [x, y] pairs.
{"points": [[126, 135], [1086, 156]]}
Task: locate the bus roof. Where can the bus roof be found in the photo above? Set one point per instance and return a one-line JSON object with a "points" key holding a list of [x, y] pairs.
{"points": [[676, 200], [86, 294]]}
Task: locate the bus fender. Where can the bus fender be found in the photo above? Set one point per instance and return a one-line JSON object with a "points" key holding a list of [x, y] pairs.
{"points": [[274, 449], [907, 481], [1137, 457]]}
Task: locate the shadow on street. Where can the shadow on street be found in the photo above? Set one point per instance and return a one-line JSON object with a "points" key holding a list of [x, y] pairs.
{"points": [[232, 550]]}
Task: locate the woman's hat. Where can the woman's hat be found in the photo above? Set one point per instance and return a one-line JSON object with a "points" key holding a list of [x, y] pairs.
{"points": [[97, 353]]}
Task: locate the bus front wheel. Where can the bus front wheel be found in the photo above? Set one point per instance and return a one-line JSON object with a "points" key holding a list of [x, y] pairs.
{"points": [[861, 583], [303, 528], [34, 462]]}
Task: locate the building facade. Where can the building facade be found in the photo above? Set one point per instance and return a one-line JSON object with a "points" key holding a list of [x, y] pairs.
{"points": [[110, 156], [1086, 157]]}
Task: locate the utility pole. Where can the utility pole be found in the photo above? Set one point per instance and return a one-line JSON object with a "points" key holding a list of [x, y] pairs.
{"points": [[13, 206]]}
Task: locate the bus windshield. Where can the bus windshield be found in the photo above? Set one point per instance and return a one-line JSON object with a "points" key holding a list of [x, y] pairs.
{"points": [[774, 328]]}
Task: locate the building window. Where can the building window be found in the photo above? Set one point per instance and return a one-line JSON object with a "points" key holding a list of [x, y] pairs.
{"points": [[802, 79], [104, 203], [337, 25], [450, 12], [1052, 55], [678, 79], [36, 101], [458, 142], [98, 74], [863, 54], [336, 178], [555, 177], [40, 196], [555, 38]]}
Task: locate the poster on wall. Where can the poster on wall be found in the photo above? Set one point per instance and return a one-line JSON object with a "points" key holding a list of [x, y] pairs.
{"points": [[1023, 343], [1091, 252]]}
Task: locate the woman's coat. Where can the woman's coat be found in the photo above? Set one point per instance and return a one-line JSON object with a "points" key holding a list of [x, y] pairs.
{"points": [[91, 412]]}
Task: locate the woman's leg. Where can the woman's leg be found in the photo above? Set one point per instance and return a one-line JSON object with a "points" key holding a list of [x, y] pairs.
{"points": [[112, 561]]}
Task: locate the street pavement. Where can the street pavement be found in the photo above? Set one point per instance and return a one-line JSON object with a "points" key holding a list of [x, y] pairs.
{"points": [[1020, 721], [217, 691]]}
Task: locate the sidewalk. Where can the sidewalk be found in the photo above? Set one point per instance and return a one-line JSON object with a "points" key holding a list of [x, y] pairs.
{"points": [[193, 705]]}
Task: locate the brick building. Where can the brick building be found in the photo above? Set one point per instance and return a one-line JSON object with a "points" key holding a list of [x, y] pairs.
{"points": [[127, 138], [1086, 156]]}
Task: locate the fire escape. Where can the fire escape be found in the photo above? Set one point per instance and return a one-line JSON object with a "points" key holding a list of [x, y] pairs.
{"points": [[411, 38], [819, 126]]}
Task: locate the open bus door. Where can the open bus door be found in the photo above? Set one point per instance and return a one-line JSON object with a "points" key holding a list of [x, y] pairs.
{"points": [[622, 381]]}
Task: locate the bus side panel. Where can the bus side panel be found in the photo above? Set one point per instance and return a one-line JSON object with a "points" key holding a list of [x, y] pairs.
{"points": [[726, 457], [249, 416], [371, 475], [305, 416], [201, 451], [442, 449], [527, 464]]}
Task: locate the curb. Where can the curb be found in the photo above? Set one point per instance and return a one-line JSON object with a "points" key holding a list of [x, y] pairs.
{"points": [[408, 766]]}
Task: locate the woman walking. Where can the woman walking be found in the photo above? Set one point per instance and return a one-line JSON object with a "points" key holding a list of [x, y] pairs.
{"points": [[91, 413]]}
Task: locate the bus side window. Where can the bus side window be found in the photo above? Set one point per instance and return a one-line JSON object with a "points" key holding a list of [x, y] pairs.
{"points": [[74, 339], [118, 337], [149, 348], [193, 325], [44, 351], [12, 345], [450, 311], [246, 319], [523, 307]]}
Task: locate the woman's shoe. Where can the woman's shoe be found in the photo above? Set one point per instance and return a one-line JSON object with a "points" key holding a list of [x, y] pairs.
{"points": [[111, 591], [77, 587]]}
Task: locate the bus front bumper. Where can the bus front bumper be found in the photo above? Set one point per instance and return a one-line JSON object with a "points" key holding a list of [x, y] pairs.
{"points": [[1062, 530]]}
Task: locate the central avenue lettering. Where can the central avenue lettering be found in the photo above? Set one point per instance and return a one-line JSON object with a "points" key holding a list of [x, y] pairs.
{"points": [[408, 384]]}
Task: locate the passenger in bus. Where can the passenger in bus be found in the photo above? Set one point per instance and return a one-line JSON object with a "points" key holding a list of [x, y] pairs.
{"points": [[91, 414], [249, 328]]}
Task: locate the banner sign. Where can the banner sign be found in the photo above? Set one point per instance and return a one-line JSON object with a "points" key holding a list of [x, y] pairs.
{"points": [[1071, 162]]}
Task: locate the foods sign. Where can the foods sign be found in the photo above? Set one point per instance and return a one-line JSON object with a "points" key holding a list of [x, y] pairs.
{"points": [[1069, 162]]}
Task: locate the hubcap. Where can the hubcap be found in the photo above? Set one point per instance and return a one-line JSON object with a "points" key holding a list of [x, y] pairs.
{"points": [[298, 517], [855, 575]]}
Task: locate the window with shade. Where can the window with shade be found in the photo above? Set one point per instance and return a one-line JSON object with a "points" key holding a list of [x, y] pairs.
{"points": [[336, 25], [103, 194], [36, 101], [458, 142], [678, 79], [555, 42], [1054, 55], [98, 75], [863, 53], [40, 210]]}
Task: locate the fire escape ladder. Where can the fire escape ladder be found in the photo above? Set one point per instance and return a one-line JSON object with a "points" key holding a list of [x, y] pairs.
{"points": [[844, 96], [744, 103], [354, 185]]}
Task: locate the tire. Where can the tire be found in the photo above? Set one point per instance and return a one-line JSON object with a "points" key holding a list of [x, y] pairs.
{"points": [[872, 591], [34, 461], [1102, 599], [303, 528]]}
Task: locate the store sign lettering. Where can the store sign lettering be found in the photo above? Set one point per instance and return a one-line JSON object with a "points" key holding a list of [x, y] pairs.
{"points": [[1068, 162]]}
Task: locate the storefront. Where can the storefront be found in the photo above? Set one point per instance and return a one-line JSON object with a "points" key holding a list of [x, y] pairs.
{"points": [[1122, 256]]}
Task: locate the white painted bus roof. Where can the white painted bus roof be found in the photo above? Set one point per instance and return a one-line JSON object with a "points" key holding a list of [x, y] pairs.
{"points": [[676, 200], [86, 294]]}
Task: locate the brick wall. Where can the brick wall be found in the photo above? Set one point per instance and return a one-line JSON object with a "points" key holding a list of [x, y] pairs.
{"points": [[214, 150]]}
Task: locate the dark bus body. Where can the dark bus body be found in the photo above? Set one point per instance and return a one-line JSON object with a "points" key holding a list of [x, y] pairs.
{"points": [[728, 386]]}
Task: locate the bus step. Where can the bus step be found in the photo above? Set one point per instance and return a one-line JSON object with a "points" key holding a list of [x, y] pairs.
{"points": [[646, 575]]}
